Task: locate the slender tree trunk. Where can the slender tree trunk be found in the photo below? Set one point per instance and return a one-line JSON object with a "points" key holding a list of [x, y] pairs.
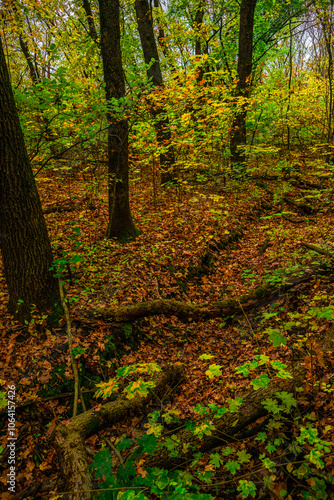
{"points": [[146, 33], [245, 56], [91, 25], [198, 46], [24, 241], [288, 139], [197, 26], [327, 27], [120, 225], [25, 50]]}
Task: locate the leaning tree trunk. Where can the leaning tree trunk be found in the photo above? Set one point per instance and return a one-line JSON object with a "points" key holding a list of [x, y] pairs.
{"points": [[121, 225], [24, 241], [150, 51], [245, 60]]}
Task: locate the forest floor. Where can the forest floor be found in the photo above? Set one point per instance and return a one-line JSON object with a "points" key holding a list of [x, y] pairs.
{"points": [[171, 259]]}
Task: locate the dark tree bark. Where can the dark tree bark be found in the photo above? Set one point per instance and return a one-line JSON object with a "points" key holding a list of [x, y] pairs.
{"points": [[197, 25], [146, 33], [161, 36], [24, 241], [120, 225], [245, 64], [91, 25], [33, 71]]}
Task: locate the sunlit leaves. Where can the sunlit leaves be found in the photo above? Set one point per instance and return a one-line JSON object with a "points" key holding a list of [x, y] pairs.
{"points": [[139, 368], [214, 371], [138, 388], [107, 388]]}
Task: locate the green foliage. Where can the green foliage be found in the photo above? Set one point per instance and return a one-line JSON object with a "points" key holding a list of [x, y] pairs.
{"points": [[139, 387]]}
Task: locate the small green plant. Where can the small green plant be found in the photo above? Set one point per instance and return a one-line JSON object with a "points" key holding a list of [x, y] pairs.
{"points": [[139, 387]]}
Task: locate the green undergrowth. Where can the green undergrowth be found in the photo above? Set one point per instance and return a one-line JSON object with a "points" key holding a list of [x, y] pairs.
{"points": [[287, 456]]}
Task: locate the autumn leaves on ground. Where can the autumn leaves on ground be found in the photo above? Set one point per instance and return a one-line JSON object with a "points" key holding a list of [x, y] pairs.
{"points": [[178, 228]]}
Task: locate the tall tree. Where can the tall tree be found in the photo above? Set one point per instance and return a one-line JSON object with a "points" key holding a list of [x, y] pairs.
{"points": [[245, 64], [150, 51], [24, 241], [120, 225], [325, 16]]}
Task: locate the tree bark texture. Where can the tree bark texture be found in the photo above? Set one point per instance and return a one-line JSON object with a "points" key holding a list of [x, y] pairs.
{"points": [[24, 241], [150, 51], [70, 439], [245, 64], [120, 225]]}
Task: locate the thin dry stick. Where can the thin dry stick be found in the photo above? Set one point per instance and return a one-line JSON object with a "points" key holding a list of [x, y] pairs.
{"points": [[77, 389]]}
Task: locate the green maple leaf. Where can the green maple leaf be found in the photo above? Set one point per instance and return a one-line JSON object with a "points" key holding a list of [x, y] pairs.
{"points": [[232, 466], [215, 460], [206, 356], [261, 381], [287, 399], [124, 444], [271, 405], [243, 456], [246, 488], [276, 338], [214, 371]]}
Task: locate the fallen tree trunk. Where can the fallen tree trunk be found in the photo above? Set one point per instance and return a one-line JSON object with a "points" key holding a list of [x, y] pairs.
{"points": [[70, 438], [231, 424], [307, 209], [188, 312]]}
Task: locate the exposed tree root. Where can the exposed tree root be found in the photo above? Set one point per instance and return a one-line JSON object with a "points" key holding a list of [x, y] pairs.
{"points": [[52, 209], [207, 261], [67, 206], [70, 438]]}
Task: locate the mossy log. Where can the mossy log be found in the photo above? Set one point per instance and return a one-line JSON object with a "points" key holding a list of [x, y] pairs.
{"points": [[69, 437], [189, 312]]}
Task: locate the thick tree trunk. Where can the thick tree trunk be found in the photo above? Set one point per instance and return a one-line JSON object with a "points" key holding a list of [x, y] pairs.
{"points": [[121, 225], [150, 51], [245, 60], [24, 241]]}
